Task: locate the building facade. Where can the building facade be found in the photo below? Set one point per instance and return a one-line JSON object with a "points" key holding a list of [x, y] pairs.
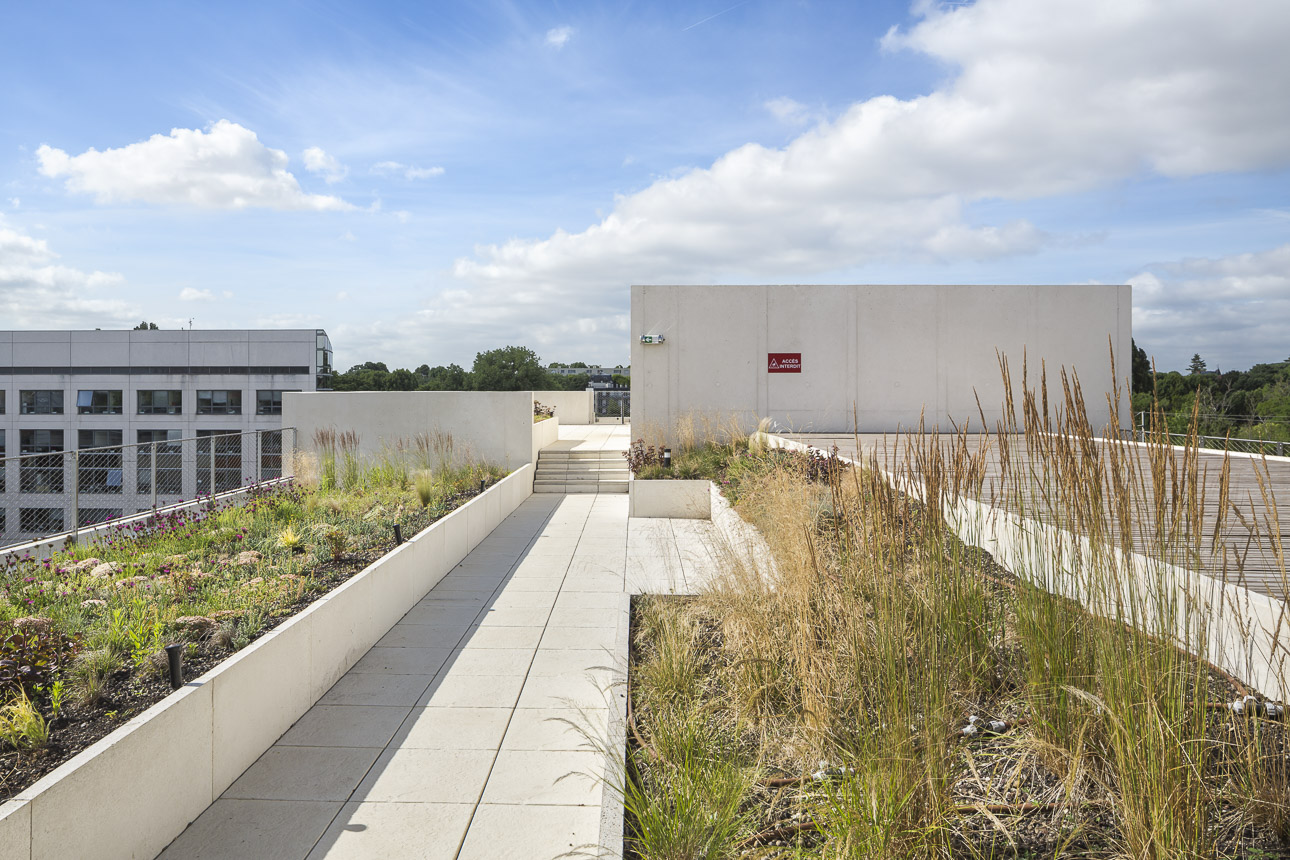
{"points": [[123, 420]]}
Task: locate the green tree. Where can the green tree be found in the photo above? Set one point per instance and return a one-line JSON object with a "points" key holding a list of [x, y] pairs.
{"points": [[450, 378], [146, 326], [510, 368], [402, 380], [1197, 365], [622, 381], [1141, 370]]}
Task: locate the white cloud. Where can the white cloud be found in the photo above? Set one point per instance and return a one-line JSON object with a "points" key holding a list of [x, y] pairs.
{"points": [[342, 296], [192, 294], [1045, 99], [318, 161], [1234, 311], [788, 111], [36, 292], [15, 202], [408, 171], [348, 236], [558, 37], [224, 167]]}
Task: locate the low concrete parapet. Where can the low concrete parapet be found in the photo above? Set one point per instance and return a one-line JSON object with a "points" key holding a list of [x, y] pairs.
{"points": [[133, 792], [684, 500]]}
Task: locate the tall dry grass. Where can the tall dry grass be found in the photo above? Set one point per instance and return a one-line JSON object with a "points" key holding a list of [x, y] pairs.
{"points": [[879, 630]]}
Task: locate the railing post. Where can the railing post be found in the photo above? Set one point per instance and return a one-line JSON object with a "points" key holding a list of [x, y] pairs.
{"points": [[154, 476], [213, 437], [257, 469], [76, 495]]}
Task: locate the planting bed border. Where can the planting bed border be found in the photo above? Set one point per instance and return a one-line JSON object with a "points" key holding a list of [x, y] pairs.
{"points": [[665, 498], [131, 793]]}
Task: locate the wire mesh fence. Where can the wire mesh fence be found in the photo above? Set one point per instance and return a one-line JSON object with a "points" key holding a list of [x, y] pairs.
{"points": [[45, 489], [611, 404]]}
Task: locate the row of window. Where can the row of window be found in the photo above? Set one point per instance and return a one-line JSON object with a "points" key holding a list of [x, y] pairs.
{"points": [[210, 401], [102, 470]]}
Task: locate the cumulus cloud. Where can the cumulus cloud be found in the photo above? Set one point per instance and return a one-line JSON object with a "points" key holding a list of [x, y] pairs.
{"points": [[224, 167], [1043, 99], [318, 161], [192, 294], [37, 292], [408, 171], [558, 37], [1234, 311]]}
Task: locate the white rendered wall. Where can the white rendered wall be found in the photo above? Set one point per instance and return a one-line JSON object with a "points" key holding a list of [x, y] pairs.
{"points": [[571, 407], [496, 426], [894, 352]]}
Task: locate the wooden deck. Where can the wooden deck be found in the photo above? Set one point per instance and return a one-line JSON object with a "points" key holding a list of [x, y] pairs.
{"points": [[1247, 545]]}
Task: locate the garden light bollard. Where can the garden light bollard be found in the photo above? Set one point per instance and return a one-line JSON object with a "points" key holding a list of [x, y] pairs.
{"points": [[175, 657], [398, 534]]}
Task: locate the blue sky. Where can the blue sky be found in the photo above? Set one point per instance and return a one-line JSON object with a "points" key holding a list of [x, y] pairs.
{"points": [[430, 180]]}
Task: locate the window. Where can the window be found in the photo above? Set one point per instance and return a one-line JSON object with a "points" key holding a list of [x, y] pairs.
{"points": [[219, 402], [98, 402], [41, 521], [40, 474], [170, 476], [99, 469], [269, 402], [2, 393], [227, 460], [161, 402], [40, 402]]}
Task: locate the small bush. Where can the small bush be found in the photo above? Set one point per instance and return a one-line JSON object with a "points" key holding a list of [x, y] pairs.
{"points": [[21, 725], [32, 658]]}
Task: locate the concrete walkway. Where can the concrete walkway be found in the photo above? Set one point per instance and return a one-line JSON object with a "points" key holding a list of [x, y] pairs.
{"points": [[462, 734]]}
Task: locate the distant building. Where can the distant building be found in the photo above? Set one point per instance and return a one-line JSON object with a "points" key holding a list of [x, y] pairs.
{"points": [[63, 391], [591, 371]]}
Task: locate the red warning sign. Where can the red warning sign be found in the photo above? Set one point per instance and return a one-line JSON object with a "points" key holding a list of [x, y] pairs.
{"points": [[784, 362]]}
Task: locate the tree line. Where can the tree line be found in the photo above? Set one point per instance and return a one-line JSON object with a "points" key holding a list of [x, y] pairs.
{"points": [[1250, 404], [509, 368]]}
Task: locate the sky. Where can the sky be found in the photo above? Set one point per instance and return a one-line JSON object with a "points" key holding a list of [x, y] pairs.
{"points": [[429, 180]]}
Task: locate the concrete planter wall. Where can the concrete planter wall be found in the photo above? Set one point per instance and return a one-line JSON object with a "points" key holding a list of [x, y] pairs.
{"points": [[688, 500], [545, 433], [137, 789]]}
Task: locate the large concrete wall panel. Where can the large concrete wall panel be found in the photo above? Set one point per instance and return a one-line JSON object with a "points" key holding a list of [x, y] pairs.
{"points": [[893, 353], [492, 425]]}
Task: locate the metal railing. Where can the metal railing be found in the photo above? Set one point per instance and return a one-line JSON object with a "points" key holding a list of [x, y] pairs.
{"points": [[51, 491], [1270, 447], [610, 403]]}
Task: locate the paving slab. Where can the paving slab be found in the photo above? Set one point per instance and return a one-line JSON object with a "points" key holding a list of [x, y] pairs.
{"points": [[475, 727]]}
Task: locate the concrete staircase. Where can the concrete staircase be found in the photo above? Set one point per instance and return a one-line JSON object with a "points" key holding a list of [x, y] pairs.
{"points": [[580, 472]]}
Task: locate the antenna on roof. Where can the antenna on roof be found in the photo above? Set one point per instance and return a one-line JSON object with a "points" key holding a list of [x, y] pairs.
{"points": [[190, 323]]}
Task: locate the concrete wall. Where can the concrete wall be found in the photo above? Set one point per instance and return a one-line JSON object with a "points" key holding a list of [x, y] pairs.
{"points": [[894, 352], [571, 407], [496, 426]]}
